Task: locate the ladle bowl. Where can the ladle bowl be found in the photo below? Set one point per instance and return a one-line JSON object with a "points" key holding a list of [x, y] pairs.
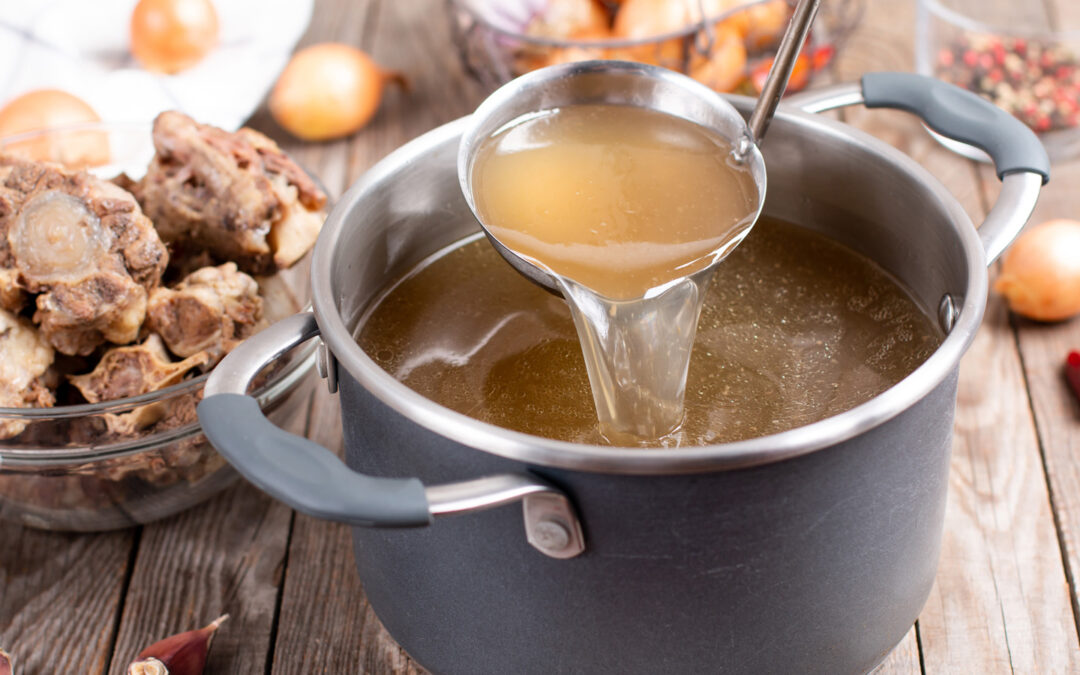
{"points": [[598, 82]]}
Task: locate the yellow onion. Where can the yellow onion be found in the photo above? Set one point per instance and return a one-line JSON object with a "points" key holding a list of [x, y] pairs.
{"points": [[566, 19], [328, 91], [725, 67], [48, 109], [1040, 273], [168, 36]]}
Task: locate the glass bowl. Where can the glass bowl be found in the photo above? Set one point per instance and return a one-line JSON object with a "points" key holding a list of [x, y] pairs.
{"points": [[70, 467], [731, 51], [1019, 55]]}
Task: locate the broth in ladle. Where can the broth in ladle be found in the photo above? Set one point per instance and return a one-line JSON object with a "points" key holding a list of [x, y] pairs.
{"points": [[626, 207]]}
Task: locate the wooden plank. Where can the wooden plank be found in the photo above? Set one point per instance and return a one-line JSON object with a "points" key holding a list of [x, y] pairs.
{"points": [[60, 597], [1043, 347], [325, 623], [224, 556], [999, 602], [904, 659]]}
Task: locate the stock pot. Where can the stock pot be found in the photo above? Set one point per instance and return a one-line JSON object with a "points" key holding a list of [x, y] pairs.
{"points": [[807, 551]]}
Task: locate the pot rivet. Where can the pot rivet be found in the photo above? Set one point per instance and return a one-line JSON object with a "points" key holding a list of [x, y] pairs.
{"points": [[550, 535], [947, 313], [327, 366]]}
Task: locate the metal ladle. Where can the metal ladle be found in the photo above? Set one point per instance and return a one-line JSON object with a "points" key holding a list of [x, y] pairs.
{"points": [[635, 84]]}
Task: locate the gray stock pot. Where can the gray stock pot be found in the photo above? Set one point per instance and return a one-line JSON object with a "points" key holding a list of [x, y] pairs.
{"points": [[808, 551]]}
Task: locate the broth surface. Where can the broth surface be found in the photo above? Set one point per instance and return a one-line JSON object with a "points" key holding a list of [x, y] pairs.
{"points": [[795, 328]]}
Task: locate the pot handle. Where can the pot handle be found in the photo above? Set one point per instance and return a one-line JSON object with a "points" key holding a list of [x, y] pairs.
{"points": [[1019, 157], [312, 479]]}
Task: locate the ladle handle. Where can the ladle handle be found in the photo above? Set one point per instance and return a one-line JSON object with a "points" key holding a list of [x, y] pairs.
{"points": [[783, 63], [1019, 157], [312, 479]]}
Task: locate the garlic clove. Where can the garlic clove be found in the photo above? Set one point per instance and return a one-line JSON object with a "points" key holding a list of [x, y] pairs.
{"points": [[181, 654], [7, 664], [150, 666]]}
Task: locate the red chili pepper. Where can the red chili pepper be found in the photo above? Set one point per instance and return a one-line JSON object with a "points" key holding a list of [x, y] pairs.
{"points": [[1072, 371], [970, 58]]}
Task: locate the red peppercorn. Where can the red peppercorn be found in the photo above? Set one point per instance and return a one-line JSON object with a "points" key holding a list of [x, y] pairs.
{"points": [[999, 53], [1072, 371]]}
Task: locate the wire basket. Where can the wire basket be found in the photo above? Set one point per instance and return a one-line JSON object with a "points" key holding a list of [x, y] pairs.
{"points": [[731, 51]]}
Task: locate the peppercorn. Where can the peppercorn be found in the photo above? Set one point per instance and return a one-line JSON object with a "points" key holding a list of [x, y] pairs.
{"points": [[1037, 82]]}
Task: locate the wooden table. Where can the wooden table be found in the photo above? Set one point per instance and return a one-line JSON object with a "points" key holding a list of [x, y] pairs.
{"points": [[1005, 598]]}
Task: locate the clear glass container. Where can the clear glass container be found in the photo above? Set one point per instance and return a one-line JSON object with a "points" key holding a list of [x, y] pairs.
{"points": [[71, 467], [1023, 56], [497, 42]]}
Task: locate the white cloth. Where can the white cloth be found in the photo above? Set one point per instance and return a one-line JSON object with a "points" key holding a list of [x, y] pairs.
{"points": [[81, 46]]}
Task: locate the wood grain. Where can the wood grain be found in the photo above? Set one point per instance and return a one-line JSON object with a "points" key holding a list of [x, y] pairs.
{"points": [[1056, 409], [1000, 601], [339, 633], [326, 625], [60, 597], [226, 556], [904, 658]]}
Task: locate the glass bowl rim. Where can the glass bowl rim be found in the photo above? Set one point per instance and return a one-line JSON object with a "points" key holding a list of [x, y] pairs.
{"points": [[686, 32], [973, 25], [128, 403]]}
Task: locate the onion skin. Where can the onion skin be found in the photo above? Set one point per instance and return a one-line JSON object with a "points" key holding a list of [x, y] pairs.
{"points": [[1040, 273], [566, 19], [726, 66], [328, 91], [168, 36], [47, 109]]}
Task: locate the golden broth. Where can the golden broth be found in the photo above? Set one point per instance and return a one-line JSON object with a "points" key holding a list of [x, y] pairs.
{"points": [[795, 328], [619, 199]]}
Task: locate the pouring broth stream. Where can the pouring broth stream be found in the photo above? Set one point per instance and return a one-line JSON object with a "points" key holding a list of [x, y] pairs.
{"points": [[628, 208]]}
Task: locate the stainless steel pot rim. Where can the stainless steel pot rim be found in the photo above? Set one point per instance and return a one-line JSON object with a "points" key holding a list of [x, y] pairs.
{"points": [[551, 453]]}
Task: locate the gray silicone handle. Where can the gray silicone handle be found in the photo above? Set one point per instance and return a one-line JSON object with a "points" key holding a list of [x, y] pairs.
{"points": [[962, 116], [304, 474]]}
